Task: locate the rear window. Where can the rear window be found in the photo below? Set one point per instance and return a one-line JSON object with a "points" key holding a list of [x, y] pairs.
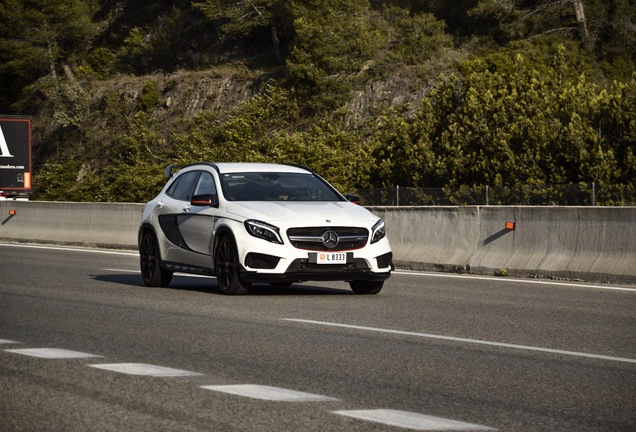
{"points": [[269, 186]]}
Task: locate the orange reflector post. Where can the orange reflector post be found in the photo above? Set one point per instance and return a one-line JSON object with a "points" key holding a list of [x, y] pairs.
{"points": [[12, 212], [510, 225]]}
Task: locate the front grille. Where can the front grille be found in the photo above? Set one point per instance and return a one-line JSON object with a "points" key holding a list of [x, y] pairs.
{"points": [[311, 238]]}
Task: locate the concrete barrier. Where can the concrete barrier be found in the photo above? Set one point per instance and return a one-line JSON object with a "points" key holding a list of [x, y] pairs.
{"points": [[112, 225], [585, 243]]}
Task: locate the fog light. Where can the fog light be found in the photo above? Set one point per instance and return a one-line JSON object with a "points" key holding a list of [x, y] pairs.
{"points": [[384, 260], [257, 260]]}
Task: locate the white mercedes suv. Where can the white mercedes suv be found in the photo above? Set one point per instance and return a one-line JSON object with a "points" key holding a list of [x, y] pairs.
{"points": [[250, 222]]}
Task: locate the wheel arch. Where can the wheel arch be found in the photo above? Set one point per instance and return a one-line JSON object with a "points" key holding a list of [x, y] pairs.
{"points": [[143, 229], [219, 233]]}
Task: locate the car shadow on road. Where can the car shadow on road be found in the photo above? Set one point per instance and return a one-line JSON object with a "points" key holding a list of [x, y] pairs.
{"points": [[299, 289], [120, 279], [209, 285]]}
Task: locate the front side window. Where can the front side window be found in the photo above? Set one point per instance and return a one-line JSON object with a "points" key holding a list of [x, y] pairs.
{"points": [[205, 185]]}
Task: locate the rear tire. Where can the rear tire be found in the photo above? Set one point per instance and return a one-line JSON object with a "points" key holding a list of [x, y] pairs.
{"points": [[150, 262], [226, 268], [366, 287]]}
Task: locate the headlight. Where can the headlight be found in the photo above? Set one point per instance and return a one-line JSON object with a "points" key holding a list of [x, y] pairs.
{"points": [[378, 232], [263, 231]]}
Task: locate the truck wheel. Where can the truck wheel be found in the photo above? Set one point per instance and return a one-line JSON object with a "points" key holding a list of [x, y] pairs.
{"points": [[366, 287], [150, 263]]}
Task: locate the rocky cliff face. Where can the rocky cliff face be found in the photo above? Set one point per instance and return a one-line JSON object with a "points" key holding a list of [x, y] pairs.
{"points": [[95, 112]]}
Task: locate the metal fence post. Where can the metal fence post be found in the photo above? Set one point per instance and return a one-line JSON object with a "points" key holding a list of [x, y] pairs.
{"points": [[486, 194], [397, 195], [593, 194]]}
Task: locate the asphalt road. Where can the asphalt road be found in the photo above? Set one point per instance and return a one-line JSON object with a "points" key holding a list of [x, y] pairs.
{"points": [[430, 352]]}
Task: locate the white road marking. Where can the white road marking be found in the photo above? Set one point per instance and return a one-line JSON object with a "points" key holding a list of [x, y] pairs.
{"points": [[143, 369], [510, 279], [269, 393], [51, 353], [6, 341], [412, 421], [465, 340], [71, 249]]}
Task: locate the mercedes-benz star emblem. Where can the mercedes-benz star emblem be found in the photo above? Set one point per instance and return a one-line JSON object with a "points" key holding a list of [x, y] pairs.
{"points": [[330, 239]]}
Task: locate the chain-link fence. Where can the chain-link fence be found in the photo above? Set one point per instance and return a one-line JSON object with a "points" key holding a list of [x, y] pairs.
{"points": [[581, 194]]}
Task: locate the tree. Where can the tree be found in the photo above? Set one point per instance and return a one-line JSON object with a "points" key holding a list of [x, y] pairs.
{"points": [[414, 38], [243, 17], [36, 38], [512, 20], [333, 41], [613, 28], [531, 115], [402, 150]]}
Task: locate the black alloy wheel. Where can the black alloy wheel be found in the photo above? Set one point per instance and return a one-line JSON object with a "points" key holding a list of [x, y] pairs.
{"points": [[226, 268], [150, 263]]}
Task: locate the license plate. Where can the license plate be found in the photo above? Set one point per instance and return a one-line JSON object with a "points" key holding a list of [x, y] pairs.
{"points": [[331, 258]]}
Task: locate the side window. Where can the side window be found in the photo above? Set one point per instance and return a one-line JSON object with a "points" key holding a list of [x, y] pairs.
{"points": [[181, 188], [205, 185], [173, 186]]}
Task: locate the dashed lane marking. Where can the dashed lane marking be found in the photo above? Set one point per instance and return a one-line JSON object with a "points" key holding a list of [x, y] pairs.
{"points": [[51, 353], [412, 421], [269, 393], [6, 341], [143, 369], [402, 419], [465, 340]]}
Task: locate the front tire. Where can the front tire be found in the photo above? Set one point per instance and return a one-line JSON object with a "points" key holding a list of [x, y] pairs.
{"points": [[226, 268], [150, 262], [366, 287]]}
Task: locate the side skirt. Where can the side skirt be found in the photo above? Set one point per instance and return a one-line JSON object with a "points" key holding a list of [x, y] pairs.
{"points": [[178, 267]]}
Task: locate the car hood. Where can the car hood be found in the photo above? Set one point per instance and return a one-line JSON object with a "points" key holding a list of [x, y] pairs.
{"points": [[304, 213]]}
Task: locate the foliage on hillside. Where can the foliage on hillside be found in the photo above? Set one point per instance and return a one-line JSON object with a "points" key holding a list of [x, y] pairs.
{"points": [[510, 93]]}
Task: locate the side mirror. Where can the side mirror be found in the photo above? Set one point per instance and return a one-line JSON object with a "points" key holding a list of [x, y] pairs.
{"points": [[207, 200], [168, 172], [353, 198]]}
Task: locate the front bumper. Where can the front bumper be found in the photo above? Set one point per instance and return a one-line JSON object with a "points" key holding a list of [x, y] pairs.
{"points": [[306, 269]]}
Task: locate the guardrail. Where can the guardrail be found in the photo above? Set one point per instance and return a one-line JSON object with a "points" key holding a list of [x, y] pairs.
{"points": [[585, 243], [579, 194]]}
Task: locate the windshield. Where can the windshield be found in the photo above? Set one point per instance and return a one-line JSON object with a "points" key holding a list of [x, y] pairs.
{"points": [[271, 186]]}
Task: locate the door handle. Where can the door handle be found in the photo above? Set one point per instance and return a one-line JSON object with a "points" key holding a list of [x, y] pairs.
{"points": [[160, 204], [187, 208]]}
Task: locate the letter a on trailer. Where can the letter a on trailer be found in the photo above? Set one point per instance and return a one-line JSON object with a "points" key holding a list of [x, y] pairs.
{"points": [[4, 149]]}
